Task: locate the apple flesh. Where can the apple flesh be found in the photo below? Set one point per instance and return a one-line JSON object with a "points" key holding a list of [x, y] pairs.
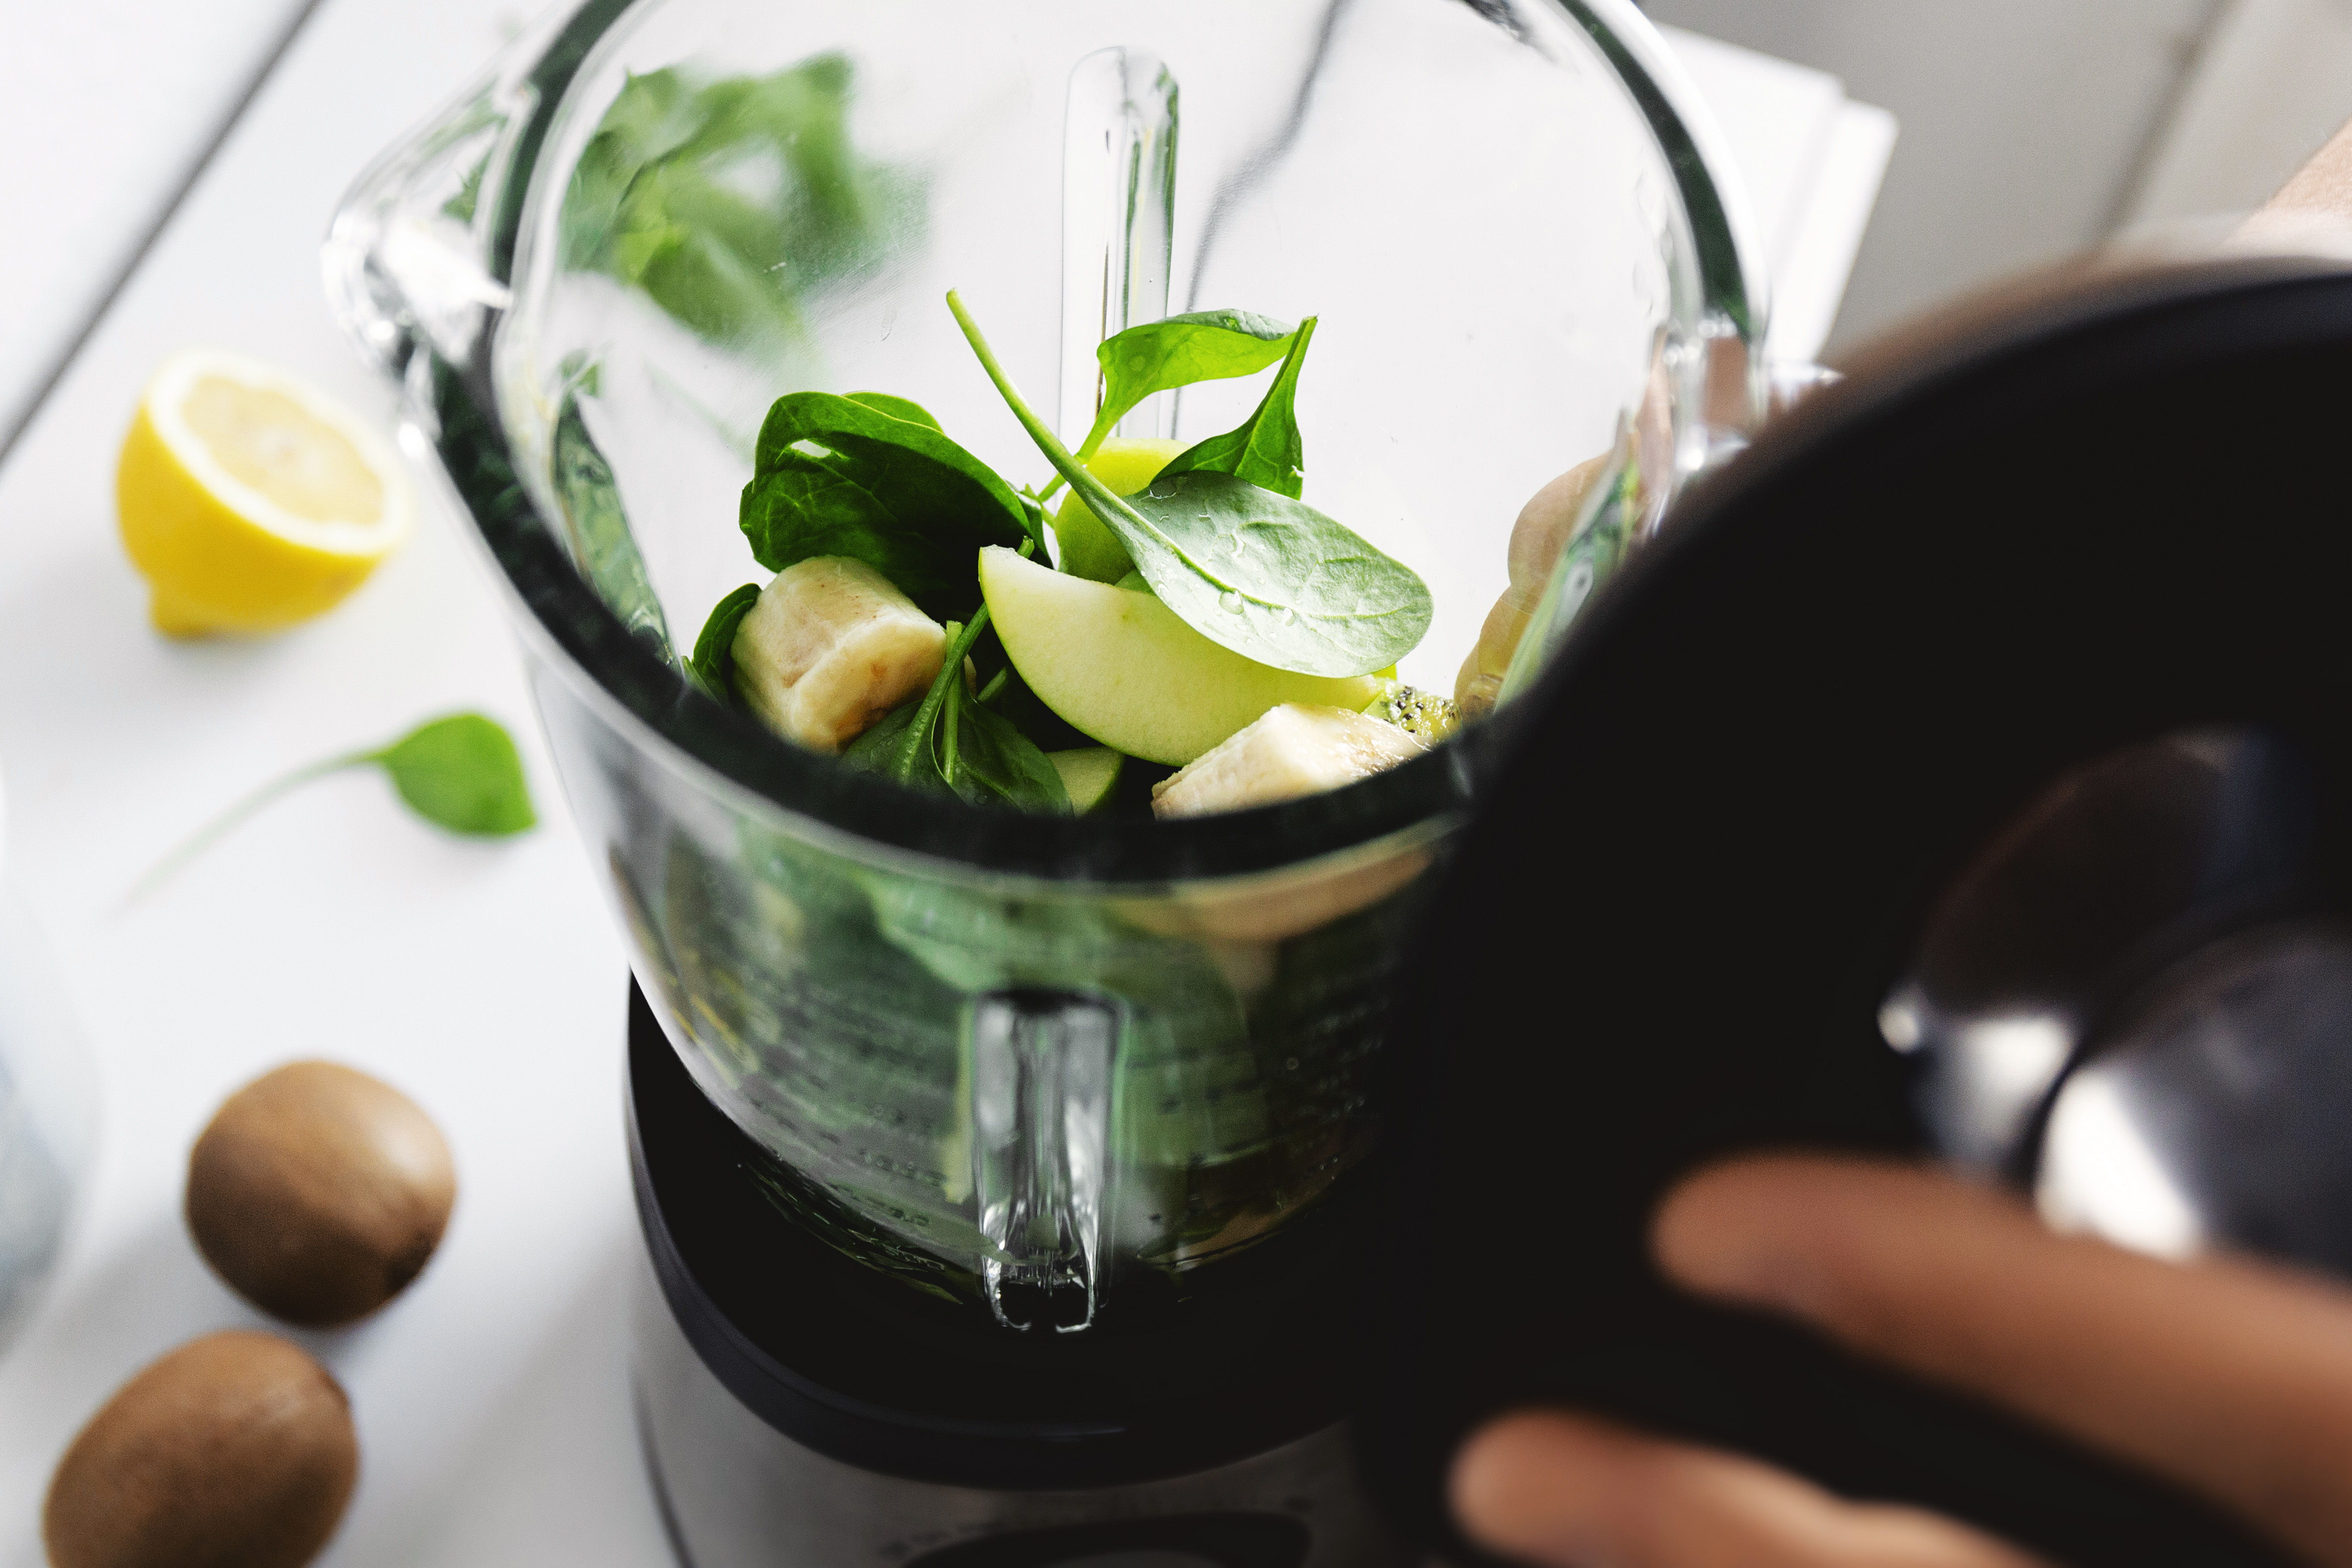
{"points": [[1088, 774], [1122, 667], [1123, 464]]}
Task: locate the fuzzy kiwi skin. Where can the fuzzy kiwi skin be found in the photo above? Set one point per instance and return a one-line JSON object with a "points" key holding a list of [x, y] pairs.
{"points": [[318, 1192], [234, 1451]]}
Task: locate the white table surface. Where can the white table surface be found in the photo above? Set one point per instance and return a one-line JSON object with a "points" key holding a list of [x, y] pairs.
{"points": [[118, 102], [486, 980]]}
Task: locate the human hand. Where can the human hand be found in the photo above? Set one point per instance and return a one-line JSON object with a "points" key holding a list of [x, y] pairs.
{"points": [[2230, 1377]]}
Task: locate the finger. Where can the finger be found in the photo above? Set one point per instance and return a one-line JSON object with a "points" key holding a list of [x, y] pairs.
{"points": [[2322, 185], [1579, 1492], [2229, 1377]]}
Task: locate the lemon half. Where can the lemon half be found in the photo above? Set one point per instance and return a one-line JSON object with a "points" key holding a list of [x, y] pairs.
{"points": [[250, 501]]}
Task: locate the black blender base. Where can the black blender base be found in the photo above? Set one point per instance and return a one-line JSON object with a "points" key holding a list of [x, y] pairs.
{"points": [[737, 1493], [761, 1463]]}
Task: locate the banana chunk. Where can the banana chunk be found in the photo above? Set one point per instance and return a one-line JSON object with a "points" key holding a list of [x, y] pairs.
{"points": [[1537, 540], [1293, 750], [829, 648]]}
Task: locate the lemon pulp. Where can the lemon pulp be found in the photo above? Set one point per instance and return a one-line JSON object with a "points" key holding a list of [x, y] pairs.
{"points": [[270, 441]]}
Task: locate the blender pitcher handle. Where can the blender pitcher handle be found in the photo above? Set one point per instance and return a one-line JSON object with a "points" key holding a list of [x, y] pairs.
{"points": [[1040, 1083], [407, 261]]}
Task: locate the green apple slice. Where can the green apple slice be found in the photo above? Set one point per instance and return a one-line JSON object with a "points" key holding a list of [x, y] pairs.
{"points": [[1090, 774], [1120, 666], [1125, 465]]}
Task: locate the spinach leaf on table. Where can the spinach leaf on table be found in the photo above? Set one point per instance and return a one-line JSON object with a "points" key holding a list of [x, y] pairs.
{"points": [[1158, 356], [1267, 450], [837, 476], [461, 772], [713, 664], [1254, 571]]}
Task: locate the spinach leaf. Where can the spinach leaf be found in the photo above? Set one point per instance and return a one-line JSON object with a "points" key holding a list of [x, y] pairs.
{"points": [[463, 773], [727, 202], [713, 664], [1206, 345], [700, 250], [952, 743], [653, 117], [837, 477], [988, 761], [897, 408], [1267, 451], [598, 529], [1267, 576], [884, 750], [907, 750]]}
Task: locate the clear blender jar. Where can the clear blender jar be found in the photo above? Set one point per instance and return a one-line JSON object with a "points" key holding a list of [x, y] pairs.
{"points": [[1042, 1068]]}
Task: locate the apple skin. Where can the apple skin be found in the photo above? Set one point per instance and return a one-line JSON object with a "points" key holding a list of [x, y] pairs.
{"points": [[1122, 667], [1123, 464]]}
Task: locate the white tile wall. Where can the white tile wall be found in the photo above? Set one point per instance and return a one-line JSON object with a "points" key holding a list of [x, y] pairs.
{"points": [[2273, 82]]}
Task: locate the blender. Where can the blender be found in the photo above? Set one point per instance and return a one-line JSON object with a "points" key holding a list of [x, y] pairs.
{"points": [[1947, 780], [1005, 1178]]}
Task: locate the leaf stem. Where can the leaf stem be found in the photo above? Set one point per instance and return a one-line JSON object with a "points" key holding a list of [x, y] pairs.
{"points": [[918, 734], [228, 821], [1086, 449], [1105, 421], [1098, 497]]}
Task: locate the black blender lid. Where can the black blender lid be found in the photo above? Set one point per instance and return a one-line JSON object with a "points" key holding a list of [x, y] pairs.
{"points": [[2085, 516]]}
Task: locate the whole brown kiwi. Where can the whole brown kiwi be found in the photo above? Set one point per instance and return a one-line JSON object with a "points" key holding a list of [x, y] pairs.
{"points": [[318, 1192], [234, 1449]]}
